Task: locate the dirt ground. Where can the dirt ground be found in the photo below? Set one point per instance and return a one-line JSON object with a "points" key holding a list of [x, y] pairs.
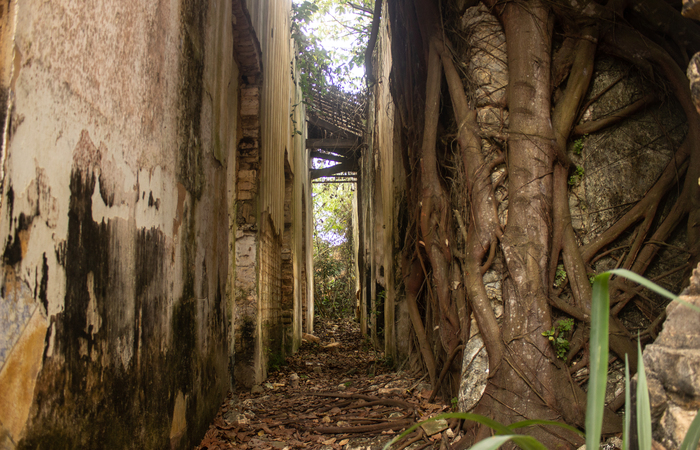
{"points": [[337, 393]]}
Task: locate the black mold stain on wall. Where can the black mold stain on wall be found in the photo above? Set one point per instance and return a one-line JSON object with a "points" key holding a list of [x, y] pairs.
{"points": [[88, 394], [113, 384], [43, 284], [13, 248], [193, 18]]}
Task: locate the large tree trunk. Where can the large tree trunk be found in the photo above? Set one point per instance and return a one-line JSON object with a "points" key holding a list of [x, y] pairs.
{"points": [[526, 379]]}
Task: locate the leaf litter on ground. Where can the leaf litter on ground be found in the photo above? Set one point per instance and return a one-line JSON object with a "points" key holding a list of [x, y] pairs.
{"points": [[333, 394]]}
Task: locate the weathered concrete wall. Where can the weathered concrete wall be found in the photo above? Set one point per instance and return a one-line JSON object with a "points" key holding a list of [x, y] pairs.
{"points": [[269, 241], [117, 159], [302, 252], [381, 197]]}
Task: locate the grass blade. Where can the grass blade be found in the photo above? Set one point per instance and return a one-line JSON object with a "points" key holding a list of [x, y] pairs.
{"points": [[600, 308], [652, 286], [494, 442], [491, 443], [644, 282], [531, 422], [689, 305], [495, 425], [693, 435], [628, 405], [643, 404]]}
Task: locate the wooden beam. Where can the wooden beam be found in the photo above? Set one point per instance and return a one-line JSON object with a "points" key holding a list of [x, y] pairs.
{"points": [[328, 171], [331, 143], [322, 123], [349, 180], [329, 157]]}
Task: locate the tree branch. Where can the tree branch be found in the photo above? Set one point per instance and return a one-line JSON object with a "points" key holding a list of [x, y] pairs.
{"points": [[376, 20], [361, 8]]}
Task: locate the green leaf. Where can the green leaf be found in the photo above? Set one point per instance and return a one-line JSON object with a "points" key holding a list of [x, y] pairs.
{"points": [[689, 305], [600, 307], [643, 404], [646, 283], [531, 422], [478, 418], [693, 435], [628, 406], [598, 378], [494, 442]]}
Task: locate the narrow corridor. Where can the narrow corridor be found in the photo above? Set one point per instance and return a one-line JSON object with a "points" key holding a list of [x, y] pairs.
{"points": [[338, 393]]}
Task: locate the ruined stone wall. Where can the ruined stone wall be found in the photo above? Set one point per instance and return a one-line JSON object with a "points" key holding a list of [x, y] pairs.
{"points": [[287, 268], [672, 364], [270, 275], [117, 159]]}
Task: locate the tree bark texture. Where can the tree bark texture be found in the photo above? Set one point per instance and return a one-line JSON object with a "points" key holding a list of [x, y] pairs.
{"points": [[454, 226]]}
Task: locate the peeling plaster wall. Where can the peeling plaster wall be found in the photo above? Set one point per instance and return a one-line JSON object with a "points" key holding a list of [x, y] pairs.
{"points": [[298, 159], [118, 153], [275, 127], [381, 201], [263, 326], [385, 228]]}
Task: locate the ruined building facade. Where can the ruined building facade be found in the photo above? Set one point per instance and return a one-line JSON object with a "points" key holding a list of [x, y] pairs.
{"points": [[155, 196]]}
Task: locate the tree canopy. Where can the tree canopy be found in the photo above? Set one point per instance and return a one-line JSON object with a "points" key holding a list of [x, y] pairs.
{"points": [[331, 37]]}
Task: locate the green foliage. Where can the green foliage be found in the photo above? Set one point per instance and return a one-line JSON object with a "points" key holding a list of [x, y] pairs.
{"points": [[628, 401], [316, 23], [557, 336], [578, 145], [693, 436], [275, 361], [559, 276], [334, 270], [388, 362], [379, 303], [643, 403], [597, 384], [600, 309], [312, 60], [577, 176], [503, 433]]}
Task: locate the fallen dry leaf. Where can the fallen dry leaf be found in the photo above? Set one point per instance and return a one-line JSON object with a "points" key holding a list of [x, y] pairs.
{"points": [[290, 415]]}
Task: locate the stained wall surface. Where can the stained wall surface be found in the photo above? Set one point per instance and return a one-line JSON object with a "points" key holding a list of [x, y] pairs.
{"points": [[148, 251], [382, 200], [270, 233], [119, 189]]}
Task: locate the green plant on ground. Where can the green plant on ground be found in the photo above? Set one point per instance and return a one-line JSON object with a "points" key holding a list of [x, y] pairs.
{"points": [[600, 311], [559, 276], [578, 145], [577, 176], [275, 360], [557, 336]]}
